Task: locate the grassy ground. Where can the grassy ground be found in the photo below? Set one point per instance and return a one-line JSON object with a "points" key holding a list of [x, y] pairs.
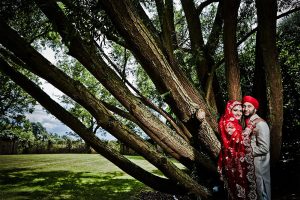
{"points": [[91, 177], [66, 176]]}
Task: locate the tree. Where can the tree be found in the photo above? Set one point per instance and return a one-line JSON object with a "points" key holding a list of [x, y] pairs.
{"points": [[288, 45], [39, 132], [160, 46], [14, 103]]}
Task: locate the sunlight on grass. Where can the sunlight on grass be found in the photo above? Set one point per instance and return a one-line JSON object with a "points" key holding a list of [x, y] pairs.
{"points": [[67, 176]]}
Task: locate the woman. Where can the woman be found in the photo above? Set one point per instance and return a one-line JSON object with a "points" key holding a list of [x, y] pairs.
{"points": [[235, 163]]}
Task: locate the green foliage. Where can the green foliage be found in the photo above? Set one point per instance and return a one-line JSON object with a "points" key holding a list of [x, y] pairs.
{"points": [[24, 16], [246, 19], [207, 19], [247, 65], [14, 103], [39, 132], [146, 86], [32, 137], [289, 48]]}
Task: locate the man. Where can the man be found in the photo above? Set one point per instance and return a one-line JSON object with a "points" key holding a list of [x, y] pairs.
{"points": [[260, 142]]}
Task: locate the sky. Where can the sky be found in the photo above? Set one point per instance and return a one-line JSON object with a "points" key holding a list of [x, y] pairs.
{"points": [[48, 121]]}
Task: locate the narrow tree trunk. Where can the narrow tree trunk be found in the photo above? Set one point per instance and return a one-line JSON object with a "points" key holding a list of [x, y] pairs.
{"points": [[259, 82], [230, 13], [166, 16], [211, 85], [196, 38]]}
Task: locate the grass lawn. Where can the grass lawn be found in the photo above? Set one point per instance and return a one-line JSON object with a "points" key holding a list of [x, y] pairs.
{"points": [[66, 176]]}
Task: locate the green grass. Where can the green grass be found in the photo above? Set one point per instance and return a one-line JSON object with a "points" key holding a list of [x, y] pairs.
{"points": [[66, 176]]}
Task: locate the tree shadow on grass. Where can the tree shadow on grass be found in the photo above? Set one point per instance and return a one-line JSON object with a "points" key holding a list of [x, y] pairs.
{"points": [[26, 184]]}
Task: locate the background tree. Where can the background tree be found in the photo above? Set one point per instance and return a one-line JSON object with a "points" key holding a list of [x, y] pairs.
{"points": [[15, 103], [175, 49], [288, 45]]}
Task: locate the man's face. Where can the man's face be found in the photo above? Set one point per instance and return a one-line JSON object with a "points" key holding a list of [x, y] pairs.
{"points": [[248, 109]]}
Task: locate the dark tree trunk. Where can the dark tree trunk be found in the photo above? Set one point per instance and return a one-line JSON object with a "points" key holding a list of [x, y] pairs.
{"points": [[232, 69], [266, 13], [259, 82]]}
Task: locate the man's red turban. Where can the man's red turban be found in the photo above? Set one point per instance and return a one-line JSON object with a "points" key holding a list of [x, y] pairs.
{"points": [[251, 100]]}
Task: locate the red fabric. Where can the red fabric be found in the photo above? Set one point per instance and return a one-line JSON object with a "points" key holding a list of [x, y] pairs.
{"points": [[251, 100], [235, 163]]}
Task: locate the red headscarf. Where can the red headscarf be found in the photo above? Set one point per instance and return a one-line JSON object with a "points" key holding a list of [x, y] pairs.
{"points": [[235, 163], [228, 121]]}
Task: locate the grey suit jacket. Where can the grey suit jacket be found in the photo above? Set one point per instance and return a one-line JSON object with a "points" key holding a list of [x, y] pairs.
{"points": [[260, 142]]}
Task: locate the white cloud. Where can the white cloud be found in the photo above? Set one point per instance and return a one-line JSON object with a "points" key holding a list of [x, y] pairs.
{"points": [[53, 125], [52, 91], [48, 121]]}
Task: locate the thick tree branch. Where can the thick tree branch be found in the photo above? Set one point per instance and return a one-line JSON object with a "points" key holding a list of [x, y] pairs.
{"points": [[166, 17], [119, 160], [89, 56], [183, 98], [78, 92], [183, 133]]}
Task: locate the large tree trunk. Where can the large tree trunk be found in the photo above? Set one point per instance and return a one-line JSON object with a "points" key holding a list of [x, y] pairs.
{"points": [[230, 13], [266, 13]]}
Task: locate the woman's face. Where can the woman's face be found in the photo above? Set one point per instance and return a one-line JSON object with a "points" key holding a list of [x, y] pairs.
{"points": [[237, 112]]}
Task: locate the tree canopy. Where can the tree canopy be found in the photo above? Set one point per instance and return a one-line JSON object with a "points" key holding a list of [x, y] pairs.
{"points": [[163, 68]]}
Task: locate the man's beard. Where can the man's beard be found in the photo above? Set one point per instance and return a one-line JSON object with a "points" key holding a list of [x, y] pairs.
{"points": [[250, 114]]}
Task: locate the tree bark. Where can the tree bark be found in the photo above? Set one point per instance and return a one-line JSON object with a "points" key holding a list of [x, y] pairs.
{"points": [[266, 13], [183, 98], [166, 17], [200, 56], [232, 69], [212, 85]]}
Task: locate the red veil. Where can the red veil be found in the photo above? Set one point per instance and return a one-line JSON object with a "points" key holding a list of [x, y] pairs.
{"points": [[235, 164]]}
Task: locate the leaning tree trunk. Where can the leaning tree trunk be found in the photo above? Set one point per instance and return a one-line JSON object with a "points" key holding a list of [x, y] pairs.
{"points": [[266, 13], [183, 183], [230, 13], [180, 94]]}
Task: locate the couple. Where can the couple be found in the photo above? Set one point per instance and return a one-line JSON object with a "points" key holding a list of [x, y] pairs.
{"points": [[244, 160]]}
